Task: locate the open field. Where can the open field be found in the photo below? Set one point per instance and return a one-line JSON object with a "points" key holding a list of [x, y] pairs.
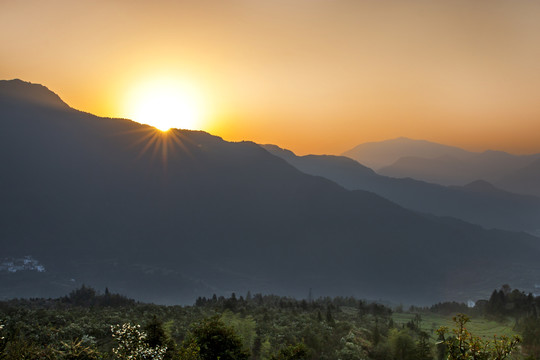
{"points": [[477, 326]]}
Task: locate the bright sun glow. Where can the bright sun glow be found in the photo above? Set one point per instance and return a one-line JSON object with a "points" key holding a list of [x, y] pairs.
{"points": [[165, 104]]}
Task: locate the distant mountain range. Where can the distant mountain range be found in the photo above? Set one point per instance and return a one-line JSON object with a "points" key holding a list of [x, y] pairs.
{"points": [[447, 165], [377, 155], [166, 217], [478, 202]]}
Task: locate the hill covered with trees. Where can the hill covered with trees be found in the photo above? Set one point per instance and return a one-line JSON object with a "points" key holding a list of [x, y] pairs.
{"points": [[87, 324]]}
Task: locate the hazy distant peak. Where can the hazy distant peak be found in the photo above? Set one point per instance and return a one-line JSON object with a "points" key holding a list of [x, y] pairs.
{"points": [[496, 154], [445, 158], [481, 185], [404, 140], [378, 155], [20, 90], [407, 140]]}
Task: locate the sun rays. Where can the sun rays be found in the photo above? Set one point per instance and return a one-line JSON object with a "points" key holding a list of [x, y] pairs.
{"points": [[160, 144]]}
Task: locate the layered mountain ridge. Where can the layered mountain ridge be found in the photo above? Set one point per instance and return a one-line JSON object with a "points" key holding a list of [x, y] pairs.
{"points": [[167, 217], [446, 165], [479, 202]]}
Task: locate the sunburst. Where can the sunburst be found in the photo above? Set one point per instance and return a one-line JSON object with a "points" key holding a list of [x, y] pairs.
{"points": [[165, 104]]}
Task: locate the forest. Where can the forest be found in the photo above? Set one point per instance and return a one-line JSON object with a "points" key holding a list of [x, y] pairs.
{"points": [[87, 324]]}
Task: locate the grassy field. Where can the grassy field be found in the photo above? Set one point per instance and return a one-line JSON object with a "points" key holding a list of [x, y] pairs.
{"points": [[477, 326]]}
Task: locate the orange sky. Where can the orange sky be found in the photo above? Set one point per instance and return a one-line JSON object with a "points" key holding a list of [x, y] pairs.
{"points": [[314, 76]]}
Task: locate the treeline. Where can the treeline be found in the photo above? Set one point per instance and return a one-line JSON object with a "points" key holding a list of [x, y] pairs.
{"points": [[89, 325], [503, 304], [82, 297], [322, 304], [265, 326]]}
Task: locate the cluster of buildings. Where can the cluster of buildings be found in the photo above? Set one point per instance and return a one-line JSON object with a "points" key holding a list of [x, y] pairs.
{"points": [[27, 263]]}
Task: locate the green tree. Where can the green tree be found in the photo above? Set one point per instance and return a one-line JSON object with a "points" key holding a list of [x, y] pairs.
{"points": [[189, 351], [244, 327], [214, 341], [156, 336], [423, 348], [292, 352], [354, 346], [402, 345]]}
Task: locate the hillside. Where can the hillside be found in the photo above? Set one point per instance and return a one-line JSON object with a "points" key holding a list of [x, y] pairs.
{"points": [[167, 217], [478, 202]]}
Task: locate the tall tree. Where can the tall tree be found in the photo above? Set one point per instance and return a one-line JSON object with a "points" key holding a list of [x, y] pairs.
{"points": [[214, 341]]}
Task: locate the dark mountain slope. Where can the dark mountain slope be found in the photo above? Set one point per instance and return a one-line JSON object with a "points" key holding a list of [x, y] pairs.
{"points": [[478, 202], [167, 217], [27, 93]]}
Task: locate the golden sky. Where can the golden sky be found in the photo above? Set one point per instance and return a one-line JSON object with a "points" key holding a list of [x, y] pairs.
{"points": [[314, 76]]}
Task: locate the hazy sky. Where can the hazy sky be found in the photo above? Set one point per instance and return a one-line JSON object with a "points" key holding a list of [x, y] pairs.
{"points": [[314, 76]]}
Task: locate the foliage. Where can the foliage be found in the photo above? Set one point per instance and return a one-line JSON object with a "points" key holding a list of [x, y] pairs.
{"points": [[530, 329], [463, 345], [355, 346], [214, 340], [189, 351], [87, 296], [76, 349], [506, 302], [257, 327], [157, 336], [450, 307], [244, 327], [132, 345], [402, 345], [292, 352]]}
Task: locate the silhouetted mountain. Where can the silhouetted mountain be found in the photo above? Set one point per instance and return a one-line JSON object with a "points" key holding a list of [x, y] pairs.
{"points": [[478, 202], [379, 154], [446, 165], [447, 170], [343, 170], [171, 216], [21, 91], [482, 186]]}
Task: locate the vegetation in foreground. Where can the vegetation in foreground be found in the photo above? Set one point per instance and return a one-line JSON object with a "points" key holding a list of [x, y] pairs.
{"points": [[88, 325]]}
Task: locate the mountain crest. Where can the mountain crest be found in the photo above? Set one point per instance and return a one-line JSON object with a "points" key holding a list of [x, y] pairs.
{"points": [[19, 90], [481, 185], [377, 155]]}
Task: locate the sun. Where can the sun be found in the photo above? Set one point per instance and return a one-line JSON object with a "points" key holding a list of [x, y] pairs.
{"points": [[165, 104]]}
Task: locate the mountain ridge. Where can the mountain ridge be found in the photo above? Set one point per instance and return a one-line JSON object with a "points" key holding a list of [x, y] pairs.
{"points": [[448, 165], [167, 217], [24, 91], [378, 154], [478, 202]]}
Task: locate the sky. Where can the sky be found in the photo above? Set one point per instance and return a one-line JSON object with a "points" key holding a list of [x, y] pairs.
{"points": [[313, 76]]}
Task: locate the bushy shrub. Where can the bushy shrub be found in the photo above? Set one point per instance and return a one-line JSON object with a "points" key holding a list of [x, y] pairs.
{"points": [[132, 345]]}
